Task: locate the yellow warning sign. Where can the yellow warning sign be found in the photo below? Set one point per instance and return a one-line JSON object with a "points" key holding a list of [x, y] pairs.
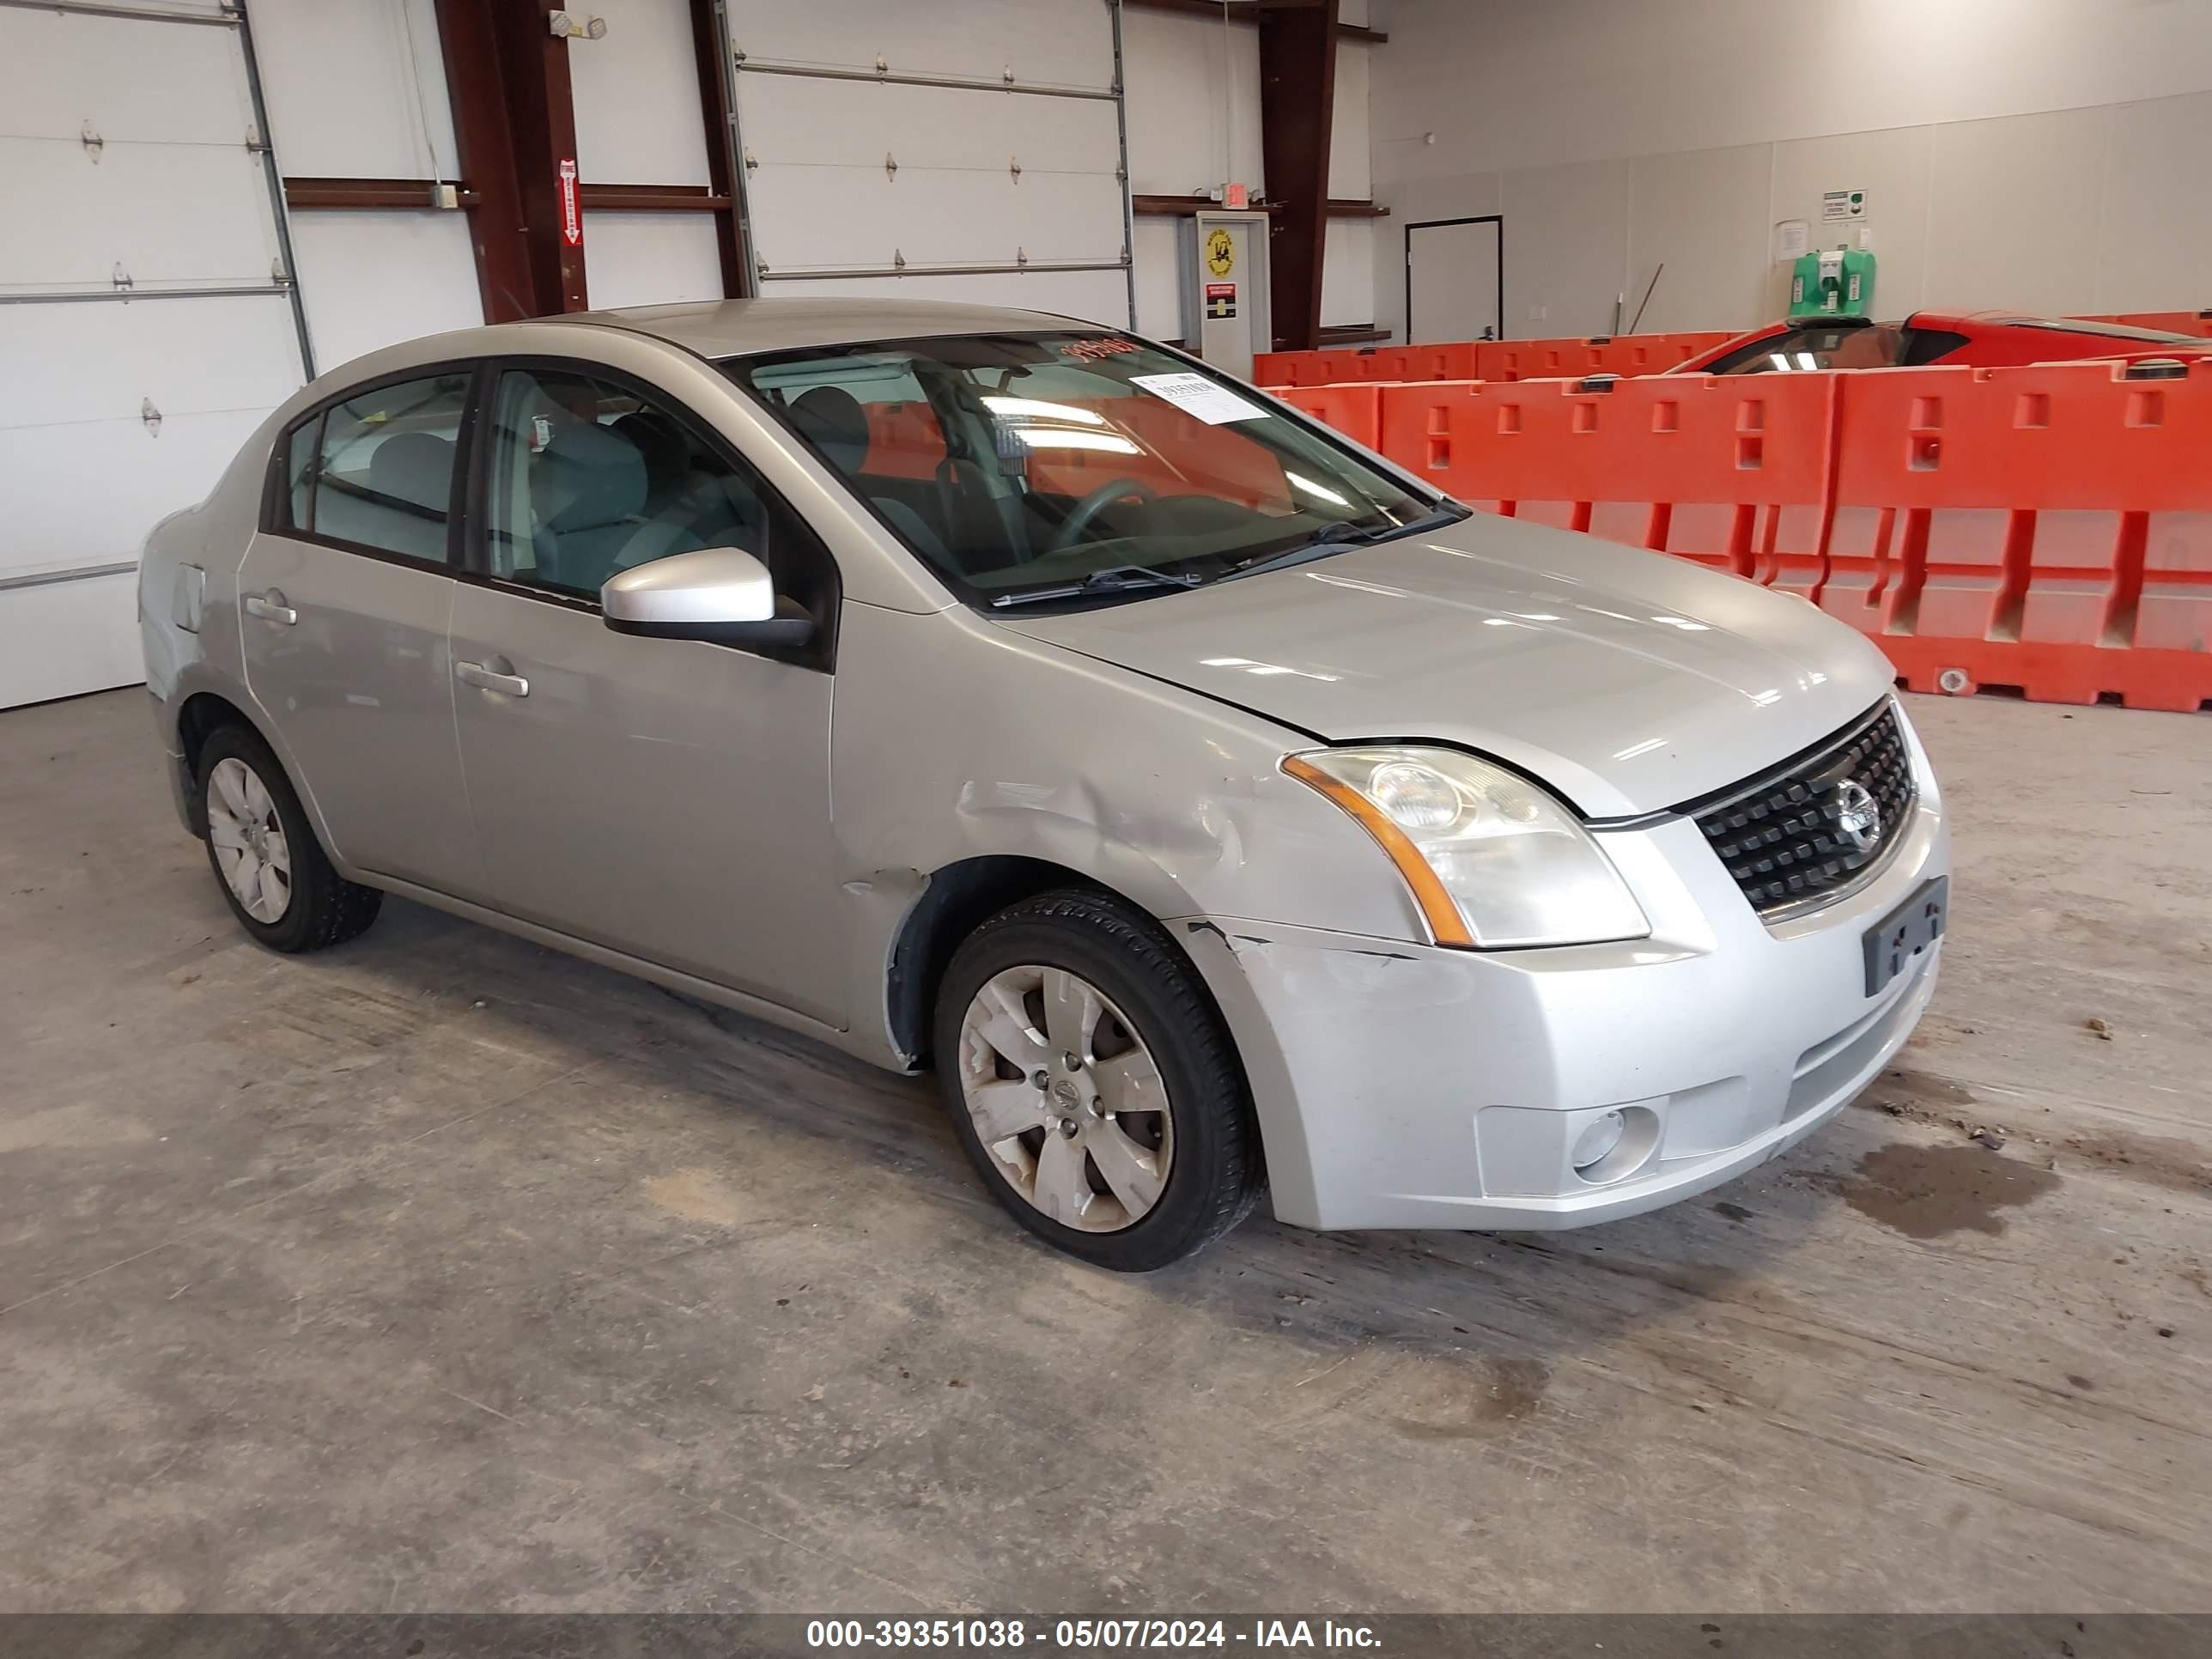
{"points": [[1220, 252]]}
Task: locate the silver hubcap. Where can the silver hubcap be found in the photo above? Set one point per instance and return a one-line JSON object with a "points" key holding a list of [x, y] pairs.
{"points": [[1066, 1098], [250, 848]]}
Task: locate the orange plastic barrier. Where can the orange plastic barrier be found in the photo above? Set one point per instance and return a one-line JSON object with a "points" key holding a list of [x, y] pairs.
{"points": [[1354, 411], [1731, 472], [2046, 528], [1626, 354]]}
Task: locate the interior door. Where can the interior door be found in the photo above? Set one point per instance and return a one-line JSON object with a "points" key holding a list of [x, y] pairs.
{"points": [[667, 798], [1454, 280], [344, 602]]}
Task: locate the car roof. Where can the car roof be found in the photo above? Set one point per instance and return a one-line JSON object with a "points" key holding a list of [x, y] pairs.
{"points": [[729, 328]]}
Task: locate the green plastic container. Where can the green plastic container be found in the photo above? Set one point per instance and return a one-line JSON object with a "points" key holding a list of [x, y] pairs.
{"points": [[1832, 282]]}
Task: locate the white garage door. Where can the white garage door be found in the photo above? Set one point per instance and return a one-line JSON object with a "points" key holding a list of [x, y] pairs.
{"points": [[142, 330], [972, 153]]}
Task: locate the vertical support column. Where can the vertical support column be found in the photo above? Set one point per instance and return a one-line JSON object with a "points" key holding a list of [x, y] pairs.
{"points": [[514, 123], [1298, 108], [710, 44], [482, 136]]}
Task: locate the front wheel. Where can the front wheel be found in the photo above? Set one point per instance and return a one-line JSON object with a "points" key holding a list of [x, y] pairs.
{"points": [[1093, 1084]]}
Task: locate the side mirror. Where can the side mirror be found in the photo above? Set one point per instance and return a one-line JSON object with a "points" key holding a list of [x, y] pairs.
{"points": [[722, 594]]}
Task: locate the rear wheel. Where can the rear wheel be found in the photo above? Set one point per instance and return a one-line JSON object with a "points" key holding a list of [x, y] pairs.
{"points": [[1093, 1084], [273, 871]]}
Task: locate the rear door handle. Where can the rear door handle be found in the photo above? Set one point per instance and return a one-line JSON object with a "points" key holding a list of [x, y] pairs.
{"points": [[489, 679], [271, 607]]}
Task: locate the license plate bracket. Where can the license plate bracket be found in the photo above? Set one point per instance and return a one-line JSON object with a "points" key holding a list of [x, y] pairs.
{"points": [[1905, 931]]}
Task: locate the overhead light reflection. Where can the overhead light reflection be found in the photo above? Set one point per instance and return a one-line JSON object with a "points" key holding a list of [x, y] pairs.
{"points": [[1059, 437], [1320, 492], [1037, 410]]}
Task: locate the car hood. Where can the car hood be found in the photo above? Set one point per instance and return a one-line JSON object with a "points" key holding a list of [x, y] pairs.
{"points": [[1629, 681]]}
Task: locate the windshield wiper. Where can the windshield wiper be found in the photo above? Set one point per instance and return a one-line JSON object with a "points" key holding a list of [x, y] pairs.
{"points": [[1115, 579], [1337, 537]]}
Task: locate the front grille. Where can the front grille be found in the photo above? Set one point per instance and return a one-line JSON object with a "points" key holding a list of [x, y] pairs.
{"points": [[1783, 837]]}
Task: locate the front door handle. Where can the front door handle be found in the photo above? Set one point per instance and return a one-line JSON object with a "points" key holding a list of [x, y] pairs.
{"points": [[489, 679], [271, 607]]}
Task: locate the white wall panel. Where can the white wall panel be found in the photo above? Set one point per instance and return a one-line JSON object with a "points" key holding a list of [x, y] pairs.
{"points": [[1052, 42], [1347, 273], [2015, 209], [1896, 169], [1506, 86], [2042, 155], [372, 278], [1193, 104], [136, 82], [651, 258], [1702, 216], [69, 639], [636, 94], [356, 90], [981, 177], [2155, 250], [1566, 247], [1349, 176], [167, 213], [174, 195], [1159, 279]]}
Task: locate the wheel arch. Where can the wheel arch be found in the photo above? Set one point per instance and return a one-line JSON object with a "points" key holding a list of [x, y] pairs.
{"points": [[955, 899], [199, 717]]}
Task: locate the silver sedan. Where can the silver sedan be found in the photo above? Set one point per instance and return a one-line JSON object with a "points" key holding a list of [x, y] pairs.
{"points": [[1223, 813]]}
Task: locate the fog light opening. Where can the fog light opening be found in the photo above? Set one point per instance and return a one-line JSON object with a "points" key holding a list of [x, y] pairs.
{"points": [[1598, 1139], [1614, 1144]]}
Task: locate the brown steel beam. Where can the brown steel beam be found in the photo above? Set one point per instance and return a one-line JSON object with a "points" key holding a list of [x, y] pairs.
{"points": [[1298, 98], [515, 121], [1244, 11], [710, 47], [300, 193], [468, 35], [695, 198]]}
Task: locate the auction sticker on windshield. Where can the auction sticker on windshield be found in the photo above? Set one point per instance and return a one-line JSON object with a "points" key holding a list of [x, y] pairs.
{"points": [[1194, 394]]}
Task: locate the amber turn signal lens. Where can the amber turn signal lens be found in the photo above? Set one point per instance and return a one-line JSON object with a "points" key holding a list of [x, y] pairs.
{"points": [[1446, 925]]}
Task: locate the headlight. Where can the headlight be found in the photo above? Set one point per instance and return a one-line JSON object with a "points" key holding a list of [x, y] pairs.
{"points": [[1492, 859]]}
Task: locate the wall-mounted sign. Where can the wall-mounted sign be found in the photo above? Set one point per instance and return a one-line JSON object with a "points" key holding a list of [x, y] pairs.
{"points": [[1236, 196], [1221, 252], [1793, 237], [1220, 301], [572, 210], [1837, 205]]}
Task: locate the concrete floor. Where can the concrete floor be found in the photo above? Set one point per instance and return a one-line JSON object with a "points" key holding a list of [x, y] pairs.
{"points": [[442, 1272]]}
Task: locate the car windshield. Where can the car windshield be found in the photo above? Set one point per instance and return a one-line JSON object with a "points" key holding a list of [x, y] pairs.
{"points": [[1075, 468]]}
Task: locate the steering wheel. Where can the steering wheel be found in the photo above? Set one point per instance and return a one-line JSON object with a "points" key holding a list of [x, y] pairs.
{"points": [[1085, 512]]}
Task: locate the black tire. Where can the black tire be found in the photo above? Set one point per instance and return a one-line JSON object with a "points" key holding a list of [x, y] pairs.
{"points": [[1214, 1180], [323, 908]]}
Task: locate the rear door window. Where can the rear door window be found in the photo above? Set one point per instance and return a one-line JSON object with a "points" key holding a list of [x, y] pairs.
{"points": [[376, 470]]}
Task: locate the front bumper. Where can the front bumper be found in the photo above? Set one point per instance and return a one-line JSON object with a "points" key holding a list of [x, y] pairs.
{"points": [[1401, 1085]]}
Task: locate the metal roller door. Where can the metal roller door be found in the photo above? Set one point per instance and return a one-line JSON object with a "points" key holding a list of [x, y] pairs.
{"points": [[147, 323], [974, 154]]}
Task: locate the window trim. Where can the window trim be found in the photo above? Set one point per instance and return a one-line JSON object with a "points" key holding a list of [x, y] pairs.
{"points": [[819, 656], [275, 490]]}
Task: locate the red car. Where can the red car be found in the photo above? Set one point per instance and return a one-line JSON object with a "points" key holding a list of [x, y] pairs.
{"points": [[1984, 338]]}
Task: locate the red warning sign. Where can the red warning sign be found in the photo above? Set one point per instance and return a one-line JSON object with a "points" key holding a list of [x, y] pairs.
{"points": [[572, 211]]}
